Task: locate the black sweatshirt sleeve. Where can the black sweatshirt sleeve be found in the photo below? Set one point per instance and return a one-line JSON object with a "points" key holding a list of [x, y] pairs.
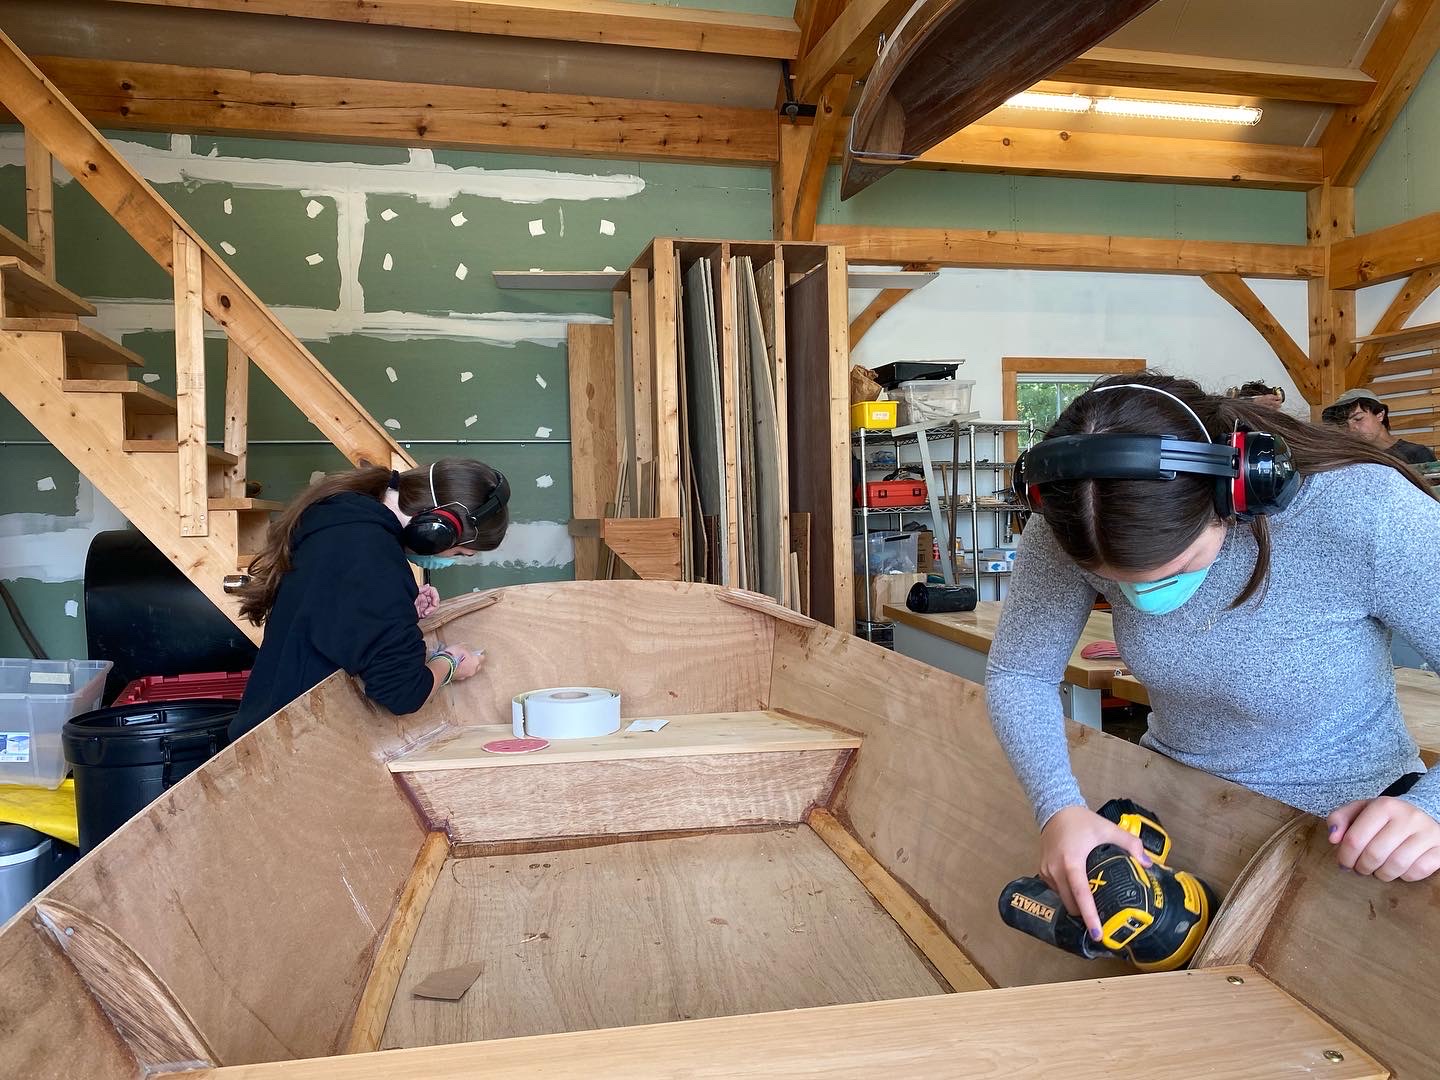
{"points": [[372, 631]]}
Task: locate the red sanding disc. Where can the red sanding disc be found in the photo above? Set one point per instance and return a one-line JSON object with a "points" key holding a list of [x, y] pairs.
{"points": [[1100, 650], [515, 746]]}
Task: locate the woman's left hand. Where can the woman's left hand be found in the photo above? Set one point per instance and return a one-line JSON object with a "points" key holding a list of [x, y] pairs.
{"points": [[427, 601], [1386, 838]]}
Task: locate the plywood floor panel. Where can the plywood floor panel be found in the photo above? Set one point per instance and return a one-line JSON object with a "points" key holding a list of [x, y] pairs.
{"points": [[651, 932]]}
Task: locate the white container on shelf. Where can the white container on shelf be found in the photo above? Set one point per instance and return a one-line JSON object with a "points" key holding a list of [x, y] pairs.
{"points": [[925, 401], [36, 698]]}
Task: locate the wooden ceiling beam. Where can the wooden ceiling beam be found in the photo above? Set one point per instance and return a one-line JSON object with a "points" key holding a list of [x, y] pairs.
{"points": [[849, 47], [608, 22], [1386, 254], [1183, 73], [992, 249], [1040, 151], [1398, 60], [167, 97]]}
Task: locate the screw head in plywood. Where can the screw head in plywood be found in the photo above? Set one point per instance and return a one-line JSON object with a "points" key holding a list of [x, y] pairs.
{"points": [[1334, 1055], [1235, 980]]}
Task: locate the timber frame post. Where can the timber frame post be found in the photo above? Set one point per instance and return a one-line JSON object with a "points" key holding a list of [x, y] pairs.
{"points": [[1330, 218]]}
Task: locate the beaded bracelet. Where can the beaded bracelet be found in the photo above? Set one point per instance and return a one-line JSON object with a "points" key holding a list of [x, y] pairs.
{"points": [[454, 666]]}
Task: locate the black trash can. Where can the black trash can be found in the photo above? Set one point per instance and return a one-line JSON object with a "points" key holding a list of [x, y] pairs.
{"points": [[124, 757]]}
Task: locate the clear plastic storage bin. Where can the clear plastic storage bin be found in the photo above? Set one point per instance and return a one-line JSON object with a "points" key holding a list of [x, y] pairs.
{"points": [[36, 698], [926, 400]]}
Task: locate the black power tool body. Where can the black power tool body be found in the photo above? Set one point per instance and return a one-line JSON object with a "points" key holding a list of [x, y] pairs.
{"points": [[1153, 916]]}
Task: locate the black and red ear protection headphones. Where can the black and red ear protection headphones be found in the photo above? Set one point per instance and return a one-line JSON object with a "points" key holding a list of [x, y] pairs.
{"points": [[1254, 472], [451, 524]]}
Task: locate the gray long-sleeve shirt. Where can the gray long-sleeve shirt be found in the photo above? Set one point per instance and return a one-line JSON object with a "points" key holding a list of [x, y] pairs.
{"points": [[1291, 694]]}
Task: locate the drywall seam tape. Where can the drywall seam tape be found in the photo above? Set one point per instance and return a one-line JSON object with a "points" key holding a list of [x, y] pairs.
{"points": [[566, 712]]}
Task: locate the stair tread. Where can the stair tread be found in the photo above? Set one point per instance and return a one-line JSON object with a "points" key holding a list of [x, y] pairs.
{"points": [[19, 247], [246, 504], [81, 342], [146, 399], [34, 289], [172, 446]]}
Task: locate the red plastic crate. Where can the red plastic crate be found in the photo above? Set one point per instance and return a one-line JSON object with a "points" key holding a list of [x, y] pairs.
{"points": [[229, 685], [883, 493]]}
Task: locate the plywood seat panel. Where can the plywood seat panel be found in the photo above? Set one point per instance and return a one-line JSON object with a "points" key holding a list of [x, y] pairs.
{"points": [[683, 736]]}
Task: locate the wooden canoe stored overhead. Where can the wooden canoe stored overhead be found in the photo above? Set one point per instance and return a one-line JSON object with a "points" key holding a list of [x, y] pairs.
{"points": [[949, 62]]}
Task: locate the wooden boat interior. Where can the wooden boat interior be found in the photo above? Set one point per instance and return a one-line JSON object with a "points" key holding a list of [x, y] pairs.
{"points": [[798, 874]]}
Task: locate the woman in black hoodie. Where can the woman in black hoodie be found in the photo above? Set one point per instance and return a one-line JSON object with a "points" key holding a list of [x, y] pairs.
{"points": [[334, 591]]}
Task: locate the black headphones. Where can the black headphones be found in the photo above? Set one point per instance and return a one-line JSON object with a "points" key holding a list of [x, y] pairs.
{"points": [[1254, 471], [452, 524]]}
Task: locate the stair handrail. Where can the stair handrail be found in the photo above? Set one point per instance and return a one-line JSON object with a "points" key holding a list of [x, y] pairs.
{"points": [[46, 114]]}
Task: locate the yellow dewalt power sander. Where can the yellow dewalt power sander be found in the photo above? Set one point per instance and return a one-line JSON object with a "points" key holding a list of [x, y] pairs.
{"points": [[1153, 916]]}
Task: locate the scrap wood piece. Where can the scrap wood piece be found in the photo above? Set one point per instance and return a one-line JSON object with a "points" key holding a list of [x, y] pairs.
{"points": [[450, 610], [649, 546], [938, 947], [451, 984], [766, 606]]}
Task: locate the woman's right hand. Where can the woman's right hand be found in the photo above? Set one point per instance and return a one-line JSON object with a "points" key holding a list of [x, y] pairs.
{"points": [[469, 661], [1065, 843]]}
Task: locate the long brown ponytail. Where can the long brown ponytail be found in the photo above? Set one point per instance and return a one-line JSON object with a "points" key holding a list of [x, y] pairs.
{"points": [[1141, 524], [455, 480]]}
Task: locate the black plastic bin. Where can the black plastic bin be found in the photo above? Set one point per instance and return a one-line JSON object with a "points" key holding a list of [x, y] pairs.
{"points": [[124, 757]]}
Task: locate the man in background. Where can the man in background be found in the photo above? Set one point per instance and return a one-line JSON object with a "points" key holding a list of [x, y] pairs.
{"points": [[1367, 416]]}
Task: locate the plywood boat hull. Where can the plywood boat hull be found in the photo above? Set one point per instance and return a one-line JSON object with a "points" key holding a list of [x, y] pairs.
{"points": [[278, 896]]}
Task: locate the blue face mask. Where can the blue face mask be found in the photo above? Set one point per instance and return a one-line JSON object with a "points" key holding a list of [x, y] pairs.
{"points": [[1163, 596], [432, 562]]}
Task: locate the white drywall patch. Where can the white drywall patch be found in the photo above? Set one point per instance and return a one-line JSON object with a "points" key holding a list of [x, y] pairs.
{"points": [[537, 227], [313, 208], [462, 271], [388, 215], [227, 247], [228, 207], [540, 379], [466, 376], [531, 544], [390, 374], [150, 376], [52, 548], [458, 219], [542, 432], [72, 609], [562, 221], [607, 227], [317, 476], [45, 483], [611, 270], [314, 258], [393, 424], [545, 481], [470, 420], [387, 263]]}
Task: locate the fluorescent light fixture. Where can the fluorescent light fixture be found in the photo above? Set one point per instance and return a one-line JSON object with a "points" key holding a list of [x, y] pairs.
{"points": [[1066, 103], [1243, 115]]}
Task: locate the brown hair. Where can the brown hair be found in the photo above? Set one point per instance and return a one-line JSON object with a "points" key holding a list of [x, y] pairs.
{"points": [[460, 480], [1142, 524]]}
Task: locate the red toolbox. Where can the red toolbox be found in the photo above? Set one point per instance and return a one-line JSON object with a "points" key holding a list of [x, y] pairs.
{"points": [[887, 493], [211, 684]]}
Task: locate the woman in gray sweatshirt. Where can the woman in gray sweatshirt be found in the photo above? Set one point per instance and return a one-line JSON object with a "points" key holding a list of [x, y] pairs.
{"points": [[1263, 639]]}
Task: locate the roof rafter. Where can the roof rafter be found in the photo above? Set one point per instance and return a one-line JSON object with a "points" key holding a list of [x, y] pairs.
{"points": [[1184, 73], [610, 22]]}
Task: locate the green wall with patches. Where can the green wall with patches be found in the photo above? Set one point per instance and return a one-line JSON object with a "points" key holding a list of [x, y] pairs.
{"points": [[455, 365], [1403, 179]]}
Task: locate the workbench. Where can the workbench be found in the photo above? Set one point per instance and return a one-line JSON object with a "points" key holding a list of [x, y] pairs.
{"points": [[1417, 691], [959, 642]]}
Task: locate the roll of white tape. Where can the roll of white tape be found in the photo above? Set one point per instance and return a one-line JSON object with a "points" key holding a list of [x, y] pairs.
{"points": [[566, 712]]}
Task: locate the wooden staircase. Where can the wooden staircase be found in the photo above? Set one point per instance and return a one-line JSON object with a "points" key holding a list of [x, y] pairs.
{"points": [[148, 453]]}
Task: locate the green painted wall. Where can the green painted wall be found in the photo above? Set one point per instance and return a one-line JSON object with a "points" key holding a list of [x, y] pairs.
{"points": [[444, 357], [920, 198], [1403, 180]]}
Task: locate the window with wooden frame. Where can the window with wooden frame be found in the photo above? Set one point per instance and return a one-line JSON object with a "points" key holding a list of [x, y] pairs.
{"points": [[1038, 388]]}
